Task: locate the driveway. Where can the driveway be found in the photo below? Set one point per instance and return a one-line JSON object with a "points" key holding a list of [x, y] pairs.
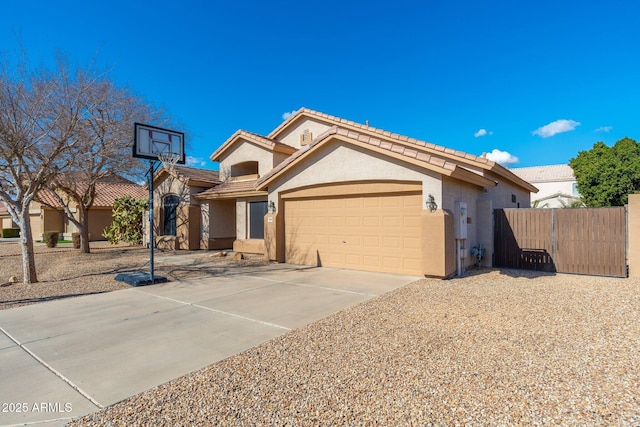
{"points": [[66, 358]]}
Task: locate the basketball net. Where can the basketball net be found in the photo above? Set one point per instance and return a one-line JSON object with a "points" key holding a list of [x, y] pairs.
{"points": [[169, 160]]}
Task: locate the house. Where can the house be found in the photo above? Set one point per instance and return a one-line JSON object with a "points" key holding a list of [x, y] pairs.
{"points": [[321, 190], [557, 184], [177, 212], [47, 215]]}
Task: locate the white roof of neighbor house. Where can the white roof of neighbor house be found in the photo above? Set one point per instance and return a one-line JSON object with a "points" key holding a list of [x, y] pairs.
{"points": [[551, 173]]}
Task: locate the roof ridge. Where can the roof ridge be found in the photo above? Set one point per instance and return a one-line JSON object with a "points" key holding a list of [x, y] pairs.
{"points": [[542, 166], [383, 144], [384, 133]]}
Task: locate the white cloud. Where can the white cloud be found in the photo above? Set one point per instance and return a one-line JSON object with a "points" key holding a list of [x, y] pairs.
{"points": [[559, 126], [195, 161], [604, 129], [482, 132], [288, 114], [502, 157]]}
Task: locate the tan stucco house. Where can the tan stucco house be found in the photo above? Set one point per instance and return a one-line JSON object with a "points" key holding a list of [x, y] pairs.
{"points": [[45, 213], [321, 190], [557, 184]]}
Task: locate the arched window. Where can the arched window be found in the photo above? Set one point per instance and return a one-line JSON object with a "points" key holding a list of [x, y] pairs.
{"points": [[170, 207]]}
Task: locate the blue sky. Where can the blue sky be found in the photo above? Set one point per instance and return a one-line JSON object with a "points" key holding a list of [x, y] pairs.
{"points": [[537, 80]]}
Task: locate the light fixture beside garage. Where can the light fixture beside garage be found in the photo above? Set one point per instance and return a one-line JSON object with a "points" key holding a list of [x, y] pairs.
{"points": [[431, 203], [271, 207]]}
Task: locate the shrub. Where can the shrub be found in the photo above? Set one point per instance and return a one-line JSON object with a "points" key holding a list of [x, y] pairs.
{"points": [[127, 225], [10, 232], [75, 238], [51, 238]]}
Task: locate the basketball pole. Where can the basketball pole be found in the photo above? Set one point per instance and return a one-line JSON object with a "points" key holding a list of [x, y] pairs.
{"points": [[151, 242]]}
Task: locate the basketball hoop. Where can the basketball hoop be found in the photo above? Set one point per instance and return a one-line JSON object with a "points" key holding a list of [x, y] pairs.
{"points": [[169, 159]]}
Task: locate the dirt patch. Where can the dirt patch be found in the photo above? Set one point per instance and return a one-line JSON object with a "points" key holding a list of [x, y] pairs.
{"points": [[64, 272]]}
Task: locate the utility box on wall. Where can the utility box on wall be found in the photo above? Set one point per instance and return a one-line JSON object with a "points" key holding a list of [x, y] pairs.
{"points": [[460, 221]]}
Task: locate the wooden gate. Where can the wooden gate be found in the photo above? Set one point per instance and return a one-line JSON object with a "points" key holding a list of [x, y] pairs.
{"points": [[581, 241]]}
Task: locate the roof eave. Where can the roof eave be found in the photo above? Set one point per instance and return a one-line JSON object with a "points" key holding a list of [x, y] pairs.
{"points": [[231, 195]]}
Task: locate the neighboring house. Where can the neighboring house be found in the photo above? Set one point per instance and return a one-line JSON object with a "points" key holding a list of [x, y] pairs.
{"points": [[557, 185], [5, 219], [321, 190], [47, 218], [176, 211]]}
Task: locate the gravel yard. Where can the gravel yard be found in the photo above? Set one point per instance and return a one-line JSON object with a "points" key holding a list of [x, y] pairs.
{"points": [[63, 272], [493, 348]]}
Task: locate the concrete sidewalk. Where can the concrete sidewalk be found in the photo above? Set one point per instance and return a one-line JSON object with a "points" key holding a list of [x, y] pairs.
{"points": [[66, 358]]}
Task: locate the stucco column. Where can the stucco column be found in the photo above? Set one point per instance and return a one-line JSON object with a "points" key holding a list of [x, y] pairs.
{"points": [[270, 238], [438, 244], [204, 225]]}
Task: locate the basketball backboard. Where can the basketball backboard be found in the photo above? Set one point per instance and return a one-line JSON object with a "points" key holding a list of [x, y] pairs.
{"points": [[149, 142]]}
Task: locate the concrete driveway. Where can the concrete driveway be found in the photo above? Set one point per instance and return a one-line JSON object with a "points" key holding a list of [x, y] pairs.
{"points": [[67, 358]]}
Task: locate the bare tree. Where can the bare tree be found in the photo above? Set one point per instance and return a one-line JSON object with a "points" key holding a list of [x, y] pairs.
{"points": [[103, 150], [39, 112]]}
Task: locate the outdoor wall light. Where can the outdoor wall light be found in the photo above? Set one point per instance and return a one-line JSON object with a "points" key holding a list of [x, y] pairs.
{"points": [[431, 203], [272, 207]]}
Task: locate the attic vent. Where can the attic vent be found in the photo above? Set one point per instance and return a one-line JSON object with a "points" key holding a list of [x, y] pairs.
{"points": [[305, 137]]}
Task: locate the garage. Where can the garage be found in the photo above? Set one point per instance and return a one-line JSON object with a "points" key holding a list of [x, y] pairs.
{"points": [[373, 232]]}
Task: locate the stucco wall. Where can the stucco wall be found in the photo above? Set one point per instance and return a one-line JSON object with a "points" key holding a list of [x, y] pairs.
{"points": [[53, 220], [168, 184], [501, 194], [222, 218], [550, 188], [292, 136], [242, 216], [457, 191], [99, 219], [342, 162], [246, 152], [8, 223]]}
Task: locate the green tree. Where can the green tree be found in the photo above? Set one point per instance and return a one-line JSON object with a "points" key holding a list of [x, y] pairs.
{"points": [[607, 175], [127, 225]]}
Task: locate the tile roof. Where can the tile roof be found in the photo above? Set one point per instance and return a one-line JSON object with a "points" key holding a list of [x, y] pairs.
{"points": [[195, 174], [266, 142], [431, 162], [550, 173], [106, 193], [381, 132], [229, 187]]}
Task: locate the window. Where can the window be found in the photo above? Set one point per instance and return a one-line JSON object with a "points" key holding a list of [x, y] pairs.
{"points": [[244, 168], [257, 211], [574, 189], [170, 207]]}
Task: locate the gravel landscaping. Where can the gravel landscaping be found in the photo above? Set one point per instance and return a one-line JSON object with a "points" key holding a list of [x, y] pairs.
{"points": [[493, 348]]}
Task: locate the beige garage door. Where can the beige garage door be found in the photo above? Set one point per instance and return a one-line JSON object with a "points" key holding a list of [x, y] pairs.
{"points": [[374, 232]]}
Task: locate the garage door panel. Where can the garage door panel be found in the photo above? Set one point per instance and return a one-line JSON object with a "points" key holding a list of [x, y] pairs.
{"points": [[353, 221], [392, 221], [371, 221], [391, 262], [391, 242], [371, 202], [391, 202], [373, 232], [411, 243]]}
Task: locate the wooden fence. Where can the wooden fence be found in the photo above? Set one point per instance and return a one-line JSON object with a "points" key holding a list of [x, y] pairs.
{"points": [[581, 241]]}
